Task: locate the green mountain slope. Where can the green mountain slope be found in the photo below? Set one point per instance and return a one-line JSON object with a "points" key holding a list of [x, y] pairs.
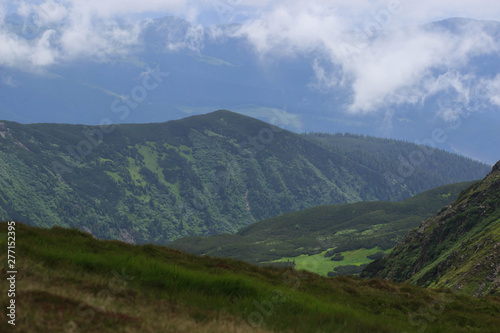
{"points": [[417, 167], [318, 233], [201, 175], [68, 281], [458, 248]]}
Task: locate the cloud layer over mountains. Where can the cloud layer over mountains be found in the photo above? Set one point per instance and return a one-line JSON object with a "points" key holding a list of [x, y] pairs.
{"points": [[378, 51]]}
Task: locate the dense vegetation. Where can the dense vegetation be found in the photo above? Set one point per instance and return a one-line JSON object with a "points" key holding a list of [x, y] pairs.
{"points": [[459, 248], [201, 175], [311, 238], [68, 281], [420, 168]]}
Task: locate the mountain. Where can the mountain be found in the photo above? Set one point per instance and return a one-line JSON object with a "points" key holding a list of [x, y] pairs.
{"points": [[205, 69], [312, 237], [71, 282], [459, 248], [400, 162], [201, 175]]}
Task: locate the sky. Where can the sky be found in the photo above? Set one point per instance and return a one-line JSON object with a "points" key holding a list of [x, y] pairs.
{"points": [[376, 49]]}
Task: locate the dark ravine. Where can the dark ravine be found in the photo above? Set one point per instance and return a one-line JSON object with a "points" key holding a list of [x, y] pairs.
{"points": [[201, 175], [459, 248]]}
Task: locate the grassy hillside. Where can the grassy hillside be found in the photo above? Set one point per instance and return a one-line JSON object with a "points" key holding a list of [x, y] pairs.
{"points": [[458, 248], [68, 281], [201, 175], [312, 238]]}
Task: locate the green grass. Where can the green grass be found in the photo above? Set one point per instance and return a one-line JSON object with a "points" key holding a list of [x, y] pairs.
{"points": [[69, 280], [133, 169], [150, 154], [187, 153], [116, 177], [317, 263]]}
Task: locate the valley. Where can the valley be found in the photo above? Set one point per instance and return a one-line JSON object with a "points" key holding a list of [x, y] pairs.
{"points": [[303, 238]]}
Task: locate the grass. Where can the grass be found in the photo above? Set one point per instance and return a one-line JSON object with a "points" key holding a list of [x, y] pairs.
{"points": [[133, 169], [319, 264], [116, 177], [71, 282], [150, 154]]}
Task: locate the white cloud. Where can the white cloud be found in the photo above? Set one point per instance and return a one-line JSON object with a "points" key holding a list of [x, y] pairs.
{"points": [[384, 65], [86, 36], [399, 69], [295, 28], [192, 40], [18, 52], [490, 89], [113, 8], [372, 48], [48, 12], [64, 30]]}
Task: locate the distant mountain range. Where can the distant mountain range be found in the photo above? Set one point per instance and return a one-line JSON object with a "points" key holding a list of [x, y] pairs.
{"points": [[201, 175], [204, 69], [459, 248]]}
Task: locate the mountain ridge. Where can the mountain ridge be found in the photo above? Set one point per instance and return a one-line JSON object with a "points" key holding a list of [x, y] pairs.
{"points": [[201, 175], [459, 248]]}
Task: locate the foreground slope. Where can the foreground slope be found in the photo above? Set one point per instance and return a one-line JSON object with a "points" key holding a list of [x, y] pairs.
{"points": [[458, 248], [315, 235], [69, 282], [201, 175]]}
